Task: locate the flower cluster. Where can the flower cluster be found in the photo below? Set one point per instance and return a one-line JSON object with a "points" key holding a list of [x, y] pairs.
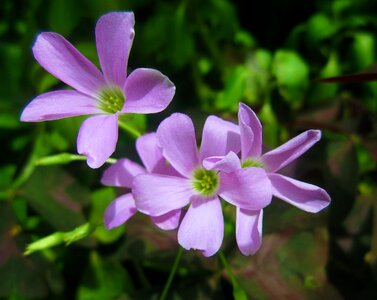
{"points": [[179, 186], [229, 166]]}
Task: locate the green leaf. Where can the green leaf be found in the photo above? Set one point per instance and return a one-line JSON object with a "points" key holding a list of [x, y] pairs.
{"points": [[234, 89], [104, 279], [292, 76], [363, 50], [319, 27]]}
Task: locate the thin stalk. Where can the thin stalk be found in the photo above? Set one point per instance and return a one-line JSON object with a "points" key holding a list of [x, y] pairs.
{"points": [[172, 273], [238, 292], [228, 269], [131, 131]]}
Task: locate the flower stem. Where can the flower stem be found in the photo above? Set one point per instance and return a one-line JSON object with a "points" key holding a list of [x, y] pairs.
{"points": [[131, 131], [172, 273], [238, 292]]}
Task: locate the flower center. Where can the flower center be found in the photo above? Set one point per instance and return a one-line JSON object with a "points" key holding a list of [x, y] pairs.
{"points": [[205, 182], [111, 99], [252, 163]]}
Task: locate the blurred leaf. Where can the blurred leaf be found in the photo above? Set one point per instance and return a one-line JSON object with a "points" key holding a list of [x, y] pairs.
{"points": [[9, 120], [104, 279], [57, 197], [319, 27], [22, 278], [100, 200], [292, 75], [321, 91], [6, 174], [342, 180], [363, 50], [64, 16], [234, 89], [46, 82]]}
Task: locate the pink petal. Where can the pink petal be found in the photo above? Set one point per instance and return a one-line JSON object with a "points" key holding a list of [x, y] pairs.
{"points": [[219, 137], [169, 221], [119, 211], [64, 61], [247, 188], [151, 154], [176, 136], [58, 105], [249, 230], [288, 152], [147, 91], [114, 36], [121, 173], [305, 196], [251, 132], [156, 195], [227, 164], [202, 228], [97, 139]]}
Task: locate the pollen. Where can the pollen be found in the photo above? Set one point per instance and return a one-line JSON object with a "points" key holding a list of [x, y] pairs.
{"points": [[205, 182], [111, 99]]}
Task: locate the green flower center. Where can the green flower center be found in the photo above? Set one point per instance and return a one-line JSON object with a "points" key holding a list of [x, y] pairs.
{"points": [[111, 99], [205, 182], [252, 163]]}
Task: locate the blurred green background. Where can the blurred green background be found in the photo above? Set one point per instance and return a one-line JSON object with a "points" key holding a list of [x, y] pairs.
{"points": [[217, 52]]}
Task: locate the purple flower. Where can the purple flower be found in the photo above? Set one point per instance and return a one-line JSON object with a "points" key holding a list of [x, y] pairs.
{"points": [[106, 94], [122, 173], [303, 195], [202, 227]]}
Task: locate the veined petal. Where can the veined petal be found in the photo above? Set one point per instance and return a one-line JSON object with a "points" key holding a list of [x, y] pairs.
{"points": [[169, 221], [288, 152], [58, 57], [249, 230], [121, 173], [176, 136], [305, 196], [114, 36], [119, 211], [219, 137], [147, 91], [247, 188], [58, 105], [202, 228], [251, 132], [97, 139], [227, 164], [156, 195]]}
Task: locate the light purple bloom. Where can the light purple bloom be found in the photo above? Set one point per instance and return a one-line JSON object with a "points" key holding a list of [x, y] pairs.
{"points": [[202, 227], [122, 173], [104, 95], [303, 195]]}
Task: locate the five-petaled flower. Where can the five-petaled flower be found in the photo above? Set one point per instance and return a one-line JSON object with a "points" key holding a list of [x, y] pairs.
{"points": [[106, 94], [122, 173], [303, 195], [202, 227]]}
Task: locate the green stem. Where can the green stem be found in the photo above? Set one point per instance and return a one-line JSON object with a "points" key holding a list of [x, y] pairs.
{"points": [[238, 292], [228, 269], [172, 273], [131, 131]]}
